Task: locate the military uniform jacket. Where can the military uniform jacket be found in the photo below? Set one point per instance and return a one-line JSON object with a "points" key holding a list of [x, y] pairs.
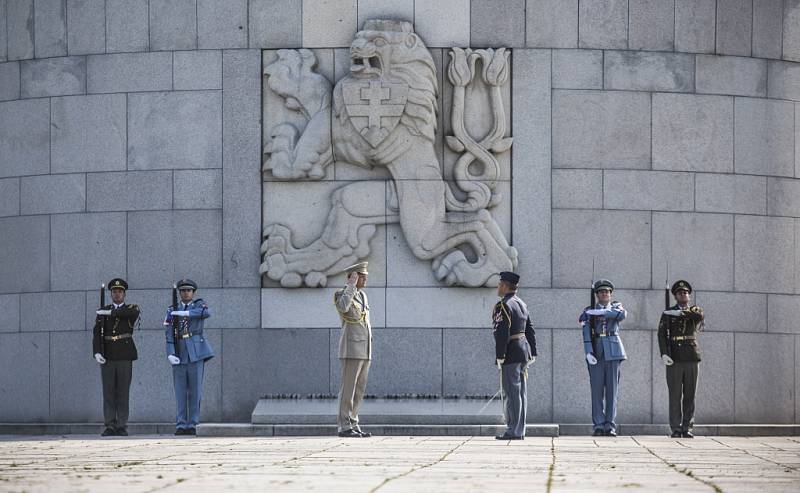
{"points": [[607, 342], [192, 344], [686, 325], [511, 318], [119, 325], [356, 339]]}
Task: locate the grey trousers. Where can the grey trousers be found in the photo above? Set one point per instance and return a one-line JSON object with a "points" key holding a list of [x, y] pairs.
{"points": [[515, 391], [351, 393], [682, 382], [116, 376]]}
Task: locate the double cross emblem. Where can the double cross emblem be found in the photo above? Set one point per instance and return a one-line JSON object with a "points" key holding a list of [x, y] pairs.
{"points": [[374, 107]]}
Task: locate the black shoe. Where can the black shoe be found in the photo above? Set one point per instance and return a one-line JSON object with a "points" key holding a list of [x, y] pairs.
{"points": [[610, 433], [108, 432], [687, 434], [505, 436], [180, 431], [122, 432], [364, 434], [598, 433], [676, 434], [190, 431], [351, 433]]}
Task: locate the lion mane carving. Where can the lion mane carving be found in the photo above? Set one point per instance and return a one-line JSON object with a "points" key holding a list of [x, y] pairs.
{"points": [[384, 115]]}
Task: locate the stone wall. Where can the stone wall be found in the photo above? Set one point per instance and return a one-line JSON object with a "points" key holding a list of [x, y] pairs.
{"points": [[645, 130]]}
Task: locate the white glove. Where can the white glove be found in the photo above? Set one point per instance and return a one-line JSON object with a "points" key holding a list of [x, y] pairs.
{"points": [[673, 313], [103, 312], [591, 359], [500, 362], [179, 313], [531, 361], [666, 359], [597, 311], [99, 358], [352, 278], [173, 360]]}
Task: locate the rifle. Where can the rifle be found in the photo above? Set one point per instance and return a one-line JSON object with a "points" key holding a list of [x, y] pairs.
{"points": [[666, 307], [102, 320], [592, 303], [175, 321]]}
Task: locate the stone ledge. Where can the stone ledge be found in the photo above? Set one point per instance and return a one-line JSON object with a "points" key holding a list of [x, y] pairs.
{"points": [[532, 430]]}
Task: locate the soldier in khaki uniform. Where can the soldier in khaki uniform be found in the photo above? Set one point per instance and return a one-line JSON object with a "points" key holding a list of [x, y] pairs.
{"points": [[355, 348], [677, 341], [115, 351]]}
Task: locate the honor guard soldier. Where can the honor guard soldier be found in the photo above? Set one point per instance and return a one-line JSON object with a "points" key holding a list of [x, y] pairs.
{"points": [[604, 354], [115, 351], [515, 350], [355, 349], [677, 341], [187, 354]]}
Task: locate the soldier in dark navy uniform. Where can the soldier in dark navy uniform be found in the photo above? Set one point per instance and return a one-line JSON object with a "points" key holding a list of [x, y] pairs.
{"points": [[515, 350], [115, 351], [188, 355], [677, 341]]}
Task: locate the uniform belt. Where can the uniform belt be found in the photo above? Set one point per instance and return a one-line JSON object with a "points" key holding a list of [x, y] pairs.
{"points": [[186, 335], [684, 338], [117, 338], [602, 334], [519, 335]]}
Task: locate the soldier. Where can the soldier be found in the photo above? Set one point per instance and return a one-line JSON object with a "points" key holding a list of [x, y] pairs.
{"points": [[188, 355], [604, 354], [115, 351], [355, 349], [515, 350], [677, 342]]}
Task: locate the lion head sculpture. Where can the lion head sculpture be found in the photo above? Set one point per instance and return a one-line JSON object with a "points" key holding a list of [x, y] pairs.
{"points": [[389, 53]]}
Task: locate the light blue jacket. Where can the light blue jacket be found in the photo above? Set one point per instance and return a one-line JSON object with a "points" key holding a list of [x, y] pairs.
{"points": [[196, 347], [608, 347]]}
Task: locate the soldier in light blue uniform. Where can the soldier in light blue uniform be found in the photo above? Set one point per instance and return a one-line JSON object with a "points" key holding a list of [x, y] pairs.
{"points": [[604, 353], [188, 355]]}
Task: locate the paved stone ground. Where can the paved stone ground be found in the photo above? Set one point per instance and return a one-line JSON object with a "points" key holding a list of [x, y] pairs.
{"points": [[386, 464]]}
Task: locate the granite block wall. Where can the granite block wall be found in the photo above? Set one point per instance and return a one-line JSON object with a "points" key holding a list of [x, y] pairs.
{"points": [[646, 132]]}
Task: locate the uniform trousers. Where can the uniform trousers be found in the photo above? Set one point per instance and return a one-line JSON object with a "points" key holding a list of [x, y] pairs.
{"points": [[351, 393], [682, 385], [188, 381], [604, 381], [515, 391], [116, 376]]}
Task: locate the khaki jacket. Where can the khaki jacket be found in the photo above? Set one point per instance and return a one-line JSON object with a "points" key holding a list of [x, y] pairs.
{"points": [[353, 308]]}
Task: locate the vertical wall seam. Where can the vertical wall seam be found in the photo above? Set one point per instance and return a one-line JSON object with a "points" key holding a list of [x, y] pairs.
{"points": [[734, 377], [127, 126], [716, 16], [66, 25], [628, 25], [105, 29], [148, 25], [552, 234], [752, 25], [50, 371], [552, 375], [50, 137], [34, 30], [196, 28]]}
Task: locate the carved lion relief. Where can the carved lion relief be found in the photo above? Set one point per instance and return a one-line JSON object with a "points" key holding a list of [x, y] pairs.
{"points": [[384, 115]]}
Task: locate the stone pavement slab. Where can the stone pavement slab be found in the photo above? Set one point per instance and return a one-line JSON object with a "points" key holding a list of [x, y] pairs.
{"points": [[398, 463]]}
